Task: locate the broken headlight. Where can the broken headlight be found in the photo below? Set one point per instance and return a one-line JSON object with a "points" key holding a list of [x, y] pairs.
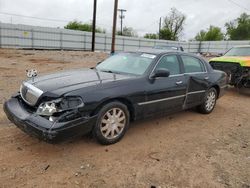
{"points": [[59, 105]]}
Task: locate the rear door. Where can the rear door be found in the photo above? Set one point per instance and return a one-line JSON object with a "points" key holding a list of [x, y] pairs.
{"points": [[166, 94], [197, 79]]}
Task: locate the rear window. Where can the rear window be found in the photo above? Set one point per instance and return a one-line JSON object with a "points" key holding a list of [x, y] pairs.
{"points": [[192, 64]]}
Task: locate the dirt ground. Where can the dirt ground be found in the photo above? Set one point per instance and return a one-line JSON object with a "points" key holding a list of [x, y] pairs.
{"points": [[186, 149]]}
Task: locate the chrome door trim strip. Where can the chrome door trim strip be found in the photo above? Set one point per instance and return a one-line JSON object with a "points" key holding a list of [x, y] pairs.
{"points": [[160, 100], [171, 98], [195, 92]]}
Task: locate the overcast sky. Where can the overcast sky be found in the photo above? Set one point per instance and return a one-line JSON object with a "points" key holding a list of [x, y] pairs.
{"points": [[142, 15]]}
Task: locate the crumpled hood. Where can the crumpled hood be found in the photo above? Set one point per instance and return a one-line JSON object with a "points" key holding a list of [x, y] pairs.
{"points": [[242, 60], [63, 82]]}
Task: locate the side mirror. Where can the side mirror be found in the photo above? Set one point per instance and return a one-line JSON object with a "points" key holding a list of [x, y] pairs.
{"points": [[160, 73]]}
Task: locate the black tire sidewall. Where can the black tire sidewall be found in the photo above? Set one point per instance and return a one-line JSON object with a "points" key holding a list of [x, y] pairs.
{"points": [[97, 131]]}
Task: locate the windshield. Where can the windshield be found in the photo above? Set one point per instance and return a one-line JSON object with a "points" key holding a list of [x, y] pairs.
{"points": [[239, 51], [128, 63]]}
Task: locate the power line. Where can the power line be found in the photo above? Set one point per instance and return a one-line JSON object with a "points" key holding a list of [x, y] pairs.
{"points": [[39, 18], [238, 5], [33, 17]]}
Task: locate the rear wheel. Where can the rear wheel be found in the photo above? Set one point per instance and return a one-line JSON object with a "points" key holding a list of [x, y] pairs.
{"points": [[209, 102], [112, 123]]}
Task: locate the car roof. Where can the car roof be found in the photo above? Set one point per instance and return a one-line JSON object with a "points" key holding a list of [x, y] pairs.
{"points": [[160, 52], [154, 51]]}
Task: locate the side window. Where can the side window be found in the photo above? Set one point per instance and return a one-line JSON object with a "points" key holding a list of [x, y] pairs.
{"points": [[192, 64], [171, 63]]}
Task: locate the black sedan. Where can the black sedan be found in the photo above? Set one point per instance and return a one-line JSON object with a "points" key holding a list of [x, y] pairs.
{"points": [[106, 98]]}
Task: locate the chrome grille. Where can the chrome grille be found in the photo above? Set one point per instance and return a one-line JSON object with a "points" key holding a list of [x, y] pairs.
{"points": [[29, 93]]}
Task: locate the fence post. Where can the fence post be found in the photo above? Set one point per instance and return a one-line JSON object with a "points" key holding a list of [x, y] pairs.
{"points": [[226, 46], [199, 48], [105, 43], [188, 46], [139, 43], [0, 35], [84, 41], [61, 45], [32, 39], [208, 47], [123, 44]]}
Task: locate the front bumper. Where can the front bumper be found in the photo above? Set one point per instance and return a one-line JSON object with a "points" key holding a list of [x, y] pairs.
{"points": [[42, 128]]}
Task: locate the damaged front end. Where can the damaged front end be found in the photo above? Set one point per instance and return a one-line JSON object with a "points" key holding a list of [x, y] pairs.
{"points": [[52, 120]]}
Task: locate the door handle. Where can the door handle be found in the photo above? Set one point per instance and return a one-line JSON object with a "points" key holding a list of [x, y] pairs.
{"points": [[179, 82], [206, 78]]}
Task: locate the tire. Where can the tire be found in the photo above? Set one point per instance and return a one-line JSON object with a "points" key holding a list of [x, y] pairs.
{"points": [[209, 102], [110, 128]]}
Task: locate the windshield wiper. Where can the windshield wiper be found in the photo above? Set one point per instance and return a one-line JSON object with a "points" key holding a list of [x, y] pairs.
{"points": [[109, 71]]}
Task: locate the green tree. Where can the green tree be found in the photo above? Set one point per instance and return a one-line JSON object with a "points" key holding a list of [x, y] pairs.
{"points": [[239, 29], [128, 31], [151, 36], [201, 36], [75, 25], [173, 25], [212, 34]]}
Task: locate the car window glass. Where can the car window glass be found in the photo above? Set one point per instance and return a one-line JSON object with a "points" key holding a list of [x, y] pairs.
{"points": [[171, 63], [129, 63], [192, 64]]}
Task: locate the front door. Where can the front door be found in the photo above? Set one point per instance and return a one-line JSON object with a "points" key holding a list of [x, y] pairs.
{"points": [[165, 94]]}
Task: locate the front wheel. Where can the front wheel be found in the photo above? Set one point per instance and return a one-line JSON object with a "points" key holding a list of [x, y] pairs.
{"points": [[112, 123], [209, 102]]}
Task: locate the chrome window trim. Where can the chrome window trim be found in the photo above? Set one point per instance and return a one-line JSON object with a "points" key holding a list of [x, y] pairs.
{"points": [[182, 74], [195, 73]]}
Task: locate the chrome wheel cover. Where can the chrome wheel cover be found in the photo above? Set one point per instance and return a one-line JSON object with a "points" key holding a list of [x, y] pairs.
{"points": [[210, 100], [113, 123]]}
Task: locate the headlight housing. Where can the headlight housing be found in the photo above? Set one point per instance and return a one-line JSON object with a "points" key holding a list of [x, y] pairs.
{"points": [[59, 105]]}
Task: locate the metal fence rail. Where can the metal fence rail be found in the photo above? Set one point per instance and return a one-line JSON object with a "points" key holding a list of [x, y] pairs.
{"points": [[33, 37]]}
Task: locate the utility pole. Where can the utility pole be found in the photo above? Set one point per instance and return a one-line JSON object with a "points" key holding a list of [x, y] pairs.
{"points": [[114, 26], [94, 26], [122, 16], [159, 28]]}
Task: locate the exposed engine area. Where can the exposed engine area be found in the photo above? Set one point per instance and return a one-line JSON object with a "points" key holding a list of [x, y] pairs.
{"points": [[238, 76]]}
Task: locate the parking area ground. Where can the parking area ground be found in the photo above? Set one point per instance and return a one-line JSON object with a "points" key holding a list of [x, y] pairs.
{"points": [[186, 149]]}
